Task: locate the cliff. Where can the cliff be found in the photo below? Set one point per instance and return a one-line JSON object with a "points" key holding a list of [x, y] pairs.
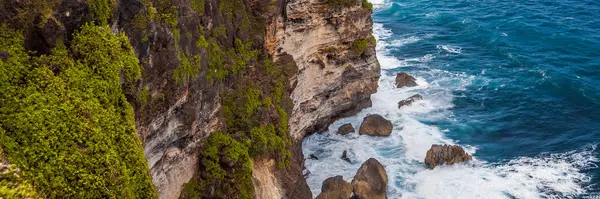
{"points": [[236, 67]]}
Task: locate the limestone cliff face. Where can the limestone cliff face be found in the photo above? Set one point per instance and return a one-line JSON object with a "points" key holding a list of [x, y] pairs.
{"points": [[332, 81]]}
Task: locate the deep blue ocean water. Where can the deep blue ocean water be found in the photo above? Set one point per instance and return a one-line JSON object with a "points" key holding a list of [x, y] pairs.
{"points": [[517, 83]]}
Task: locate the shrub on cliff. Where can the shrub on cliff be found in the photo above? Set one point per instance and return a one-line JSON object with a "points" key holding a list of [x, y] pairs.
{"points": [[367, 5], [227, 172], [360, 45], [66, 121]]}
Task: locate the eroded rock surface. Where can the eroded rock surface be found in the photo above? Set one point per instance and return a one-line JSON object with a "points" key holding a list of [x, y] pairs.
{"points": [[345, 156], [335, 188], [375, 125], [405, 80], [410, 100], [345, 129], [370, 181], [445, 155], [333, 80]]}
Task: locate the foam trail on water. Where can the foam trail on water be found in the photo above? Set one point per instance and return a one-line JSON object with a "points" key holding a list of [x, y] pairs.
{"points": [[402, 153]]}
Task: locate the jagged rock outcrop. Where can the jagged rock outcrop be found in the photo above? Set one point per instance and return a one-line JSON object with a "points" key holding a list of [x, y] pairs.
{"points": [[333, 80], [375, 125], [408, 101], [405, 80], [345, 129], [335, 188], [345, 157], [445, 155], [370, 181]]}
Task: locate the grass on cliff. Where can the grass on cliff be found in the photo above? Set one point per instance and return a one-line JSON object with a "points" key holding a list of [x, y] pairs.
{"points": [[67, 124]]}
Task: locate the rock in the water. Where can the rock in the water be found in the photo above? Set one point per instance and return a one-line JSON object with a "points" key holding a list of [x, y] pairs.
{"points": [[335, 188], [410, 100], [345, 129], [375, 125], [404, 79], [313, 157], [345, 157], [445, 154], [370, 181]]}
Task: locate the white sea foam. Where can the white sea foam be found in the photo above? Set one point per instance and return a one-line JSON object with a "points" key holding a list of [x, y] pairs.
{"points": [[450, 49], [402, 153]]}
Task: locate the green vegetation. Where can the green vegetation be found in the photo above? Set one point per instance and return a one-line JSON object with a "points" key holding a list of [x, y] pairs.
{"points": [[340, 3], [150, 10], [219, 31], [367, 5], [67, 124], [241, 55], [227, 172], [360, 45], [144, 95], [216, 65], [167, 13], [248, 134], [101, 10], [188, 68], [201, 43], [12, 184], [198, 6]]}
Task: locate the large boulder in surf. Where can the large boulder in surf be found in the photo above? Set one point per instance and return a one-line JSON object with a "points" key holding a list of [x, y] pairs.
{"points": [[335, 188], [370, 181], [375, 125], [404, 79], [445, 154], [345, 129], [410, 100]]}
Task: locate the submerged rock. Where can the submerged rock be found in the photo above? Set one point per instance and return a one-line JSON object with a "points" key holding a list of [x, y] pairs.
{"points": [[335, 188], [370, 181], [404, 79], [313, 157], [375, 125], [345, 157], [445, 154], [410, 100], [346, 129]]}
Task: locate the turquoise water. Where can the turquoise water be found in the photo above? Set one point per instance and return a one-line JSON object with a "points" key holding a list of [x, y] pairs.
{"points": [[517, 83]]}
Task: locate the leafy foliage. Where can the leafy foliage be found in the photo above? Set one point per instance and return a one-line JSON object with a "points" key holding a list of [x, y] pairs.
{"points": [[167, 13], [216, 59], [67, 123], [227, 172], [198, 6], [360, 45], [367, 5], [241, 55], [13, 185], [188, 68], [101, 10]]}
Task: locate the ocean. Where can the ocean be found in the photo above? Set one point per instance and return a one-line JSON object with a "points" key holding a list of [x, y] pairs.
{"points": [[516, 83]]}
